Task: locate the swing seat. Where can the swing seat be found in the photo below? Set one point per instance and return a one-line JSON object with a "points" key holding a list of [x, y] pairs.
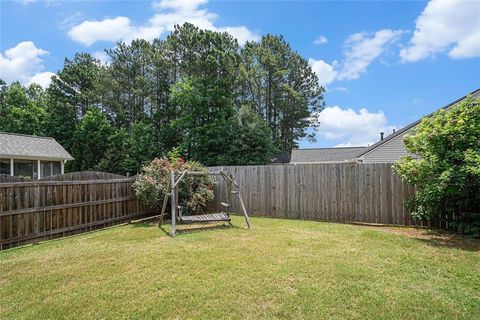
{"points": [[205, 218]]}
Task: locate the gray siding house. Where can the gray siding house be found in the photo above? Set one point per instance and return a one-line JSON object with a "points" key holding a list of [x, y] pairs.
{"points": [[31, 156], [392, 148], [389, 149]]}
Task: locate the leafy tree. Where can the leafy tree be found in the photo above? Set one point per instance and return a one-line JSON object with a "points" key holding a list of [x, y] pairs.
{"points": [[204, 126], [116, 157], [204, 94], [190, 91], [129, 88], [143, 146], [73, 91], [281, 86], [249, 139], [77, 85], [446, 162], [91, 141], [23, 109]]}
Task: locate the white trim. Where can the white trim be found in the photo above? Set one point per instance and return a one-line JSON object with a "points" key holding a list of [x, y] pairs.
{"points": [[62, 166], [38, 170], [12, 171], [11, 156]]}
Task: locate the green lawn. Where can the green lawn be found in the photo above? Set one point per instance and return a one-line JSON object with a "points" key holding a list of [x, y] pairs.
{"points": [[280, 269]]}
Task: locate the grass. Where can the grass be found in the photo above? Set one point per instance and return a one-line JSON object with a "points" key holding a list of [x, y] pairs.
{"points": [[280, 269]]}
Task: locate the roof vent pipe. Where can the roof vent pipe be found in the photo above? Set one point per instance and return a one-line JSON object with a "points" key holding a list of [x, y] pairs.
{"points": [[381, 136], [394, 130]]}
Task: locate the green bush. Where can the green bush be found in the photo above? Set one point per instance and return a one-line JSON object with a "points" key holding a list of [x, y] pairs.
{"points": [[153, 183], [445, 167]]}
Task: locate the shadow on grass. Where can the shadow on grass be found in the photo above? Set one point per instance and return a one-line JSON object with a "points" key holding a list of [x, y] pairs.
{"points": [[437, 238], [432, 237], [186, 229], [143, 224]]}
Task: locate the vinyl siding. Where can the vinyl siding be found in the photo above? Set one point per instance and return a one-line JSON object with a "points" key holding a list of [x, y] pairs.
{"points": [[390, 151]]}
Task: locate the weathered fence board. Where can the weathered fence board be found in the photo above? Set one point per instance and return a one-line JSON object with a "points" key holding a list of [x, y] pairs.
{"points": [[350, 192], [61, 205]]}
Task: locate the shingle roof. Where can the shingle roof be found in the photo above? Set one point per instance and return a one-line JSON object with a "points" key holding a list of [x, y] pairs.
{"points": [[317, 155], [20, 145], [474, 94], [283, 157]]}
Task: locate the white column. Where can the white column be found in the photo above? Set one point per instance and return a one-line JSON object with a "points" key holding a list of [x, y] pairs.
{"points": [[12, 172], [38, 169], [62, 166]]}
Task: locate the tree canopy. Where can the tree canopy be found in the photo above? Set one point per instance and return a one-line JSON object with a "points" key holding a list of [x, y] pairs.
{"points": [[197, 91], [445, 162]]}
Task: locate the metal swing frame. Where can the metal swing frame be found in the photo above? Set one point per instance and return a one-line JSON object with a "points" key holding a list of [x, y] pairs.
{"points": [[176, 210]]}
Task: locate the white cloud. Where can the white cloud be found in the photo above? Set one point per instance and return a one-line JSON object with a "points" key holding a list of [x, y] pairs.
{"points": [[352, 128], [43, 79], [361, 49], [320, 40], [445, 26], [23, 63], [243, 34], [340, 89], [89, 32], [325, 72], [70, 20], [102, 56], [25, 2], [178, 5], [169, 13]]}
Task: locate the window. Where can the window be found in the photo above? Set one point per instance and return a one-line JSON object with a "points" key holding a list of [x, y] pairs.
{"points": [[25, 168], [56, 167], [50, 168], [5, 166]]}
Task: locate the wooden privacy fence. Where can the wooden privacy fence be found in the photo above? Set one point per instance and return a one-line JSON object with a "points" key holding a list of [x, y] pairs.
{"points": [[63, 205], [350, 192]]}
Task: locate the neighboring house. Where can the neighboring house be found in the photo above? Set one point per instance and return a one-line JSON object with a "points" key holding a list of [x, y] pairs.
{"points": [[283, 157], [392, 148], [325, 155], [31, 156]]}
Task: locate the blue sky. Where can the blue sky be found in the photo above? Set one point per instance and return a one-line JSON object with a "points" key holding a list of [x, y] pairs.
{"points": [[384, 64]]}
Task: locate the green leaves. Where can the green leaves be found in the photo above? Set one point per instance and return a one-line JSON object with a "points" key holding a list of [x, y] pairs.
{"points": [[23, 109], [196, 90], [447, 169], [91, 140], [153, 183], [280, 85]]}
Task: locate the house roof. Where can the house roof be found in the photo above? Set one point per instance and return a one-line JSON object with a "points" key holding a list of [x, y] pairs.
{"points": [[25, 146], [283, 157], [327, 155], [474, 94]]}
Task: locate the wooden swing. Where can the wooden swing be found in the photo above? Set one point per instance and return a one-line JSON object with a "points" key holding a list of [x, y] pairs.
{"points": [[176, 210]]}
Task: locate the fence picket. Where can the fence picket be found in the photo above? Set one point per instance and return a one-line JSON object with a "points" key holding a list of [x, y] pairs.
{"points": [[62, 205], [351, 192]]}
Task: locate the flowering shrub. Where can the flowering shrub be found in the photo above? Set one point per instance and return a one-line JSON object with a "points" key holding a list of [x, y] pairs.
{"points": [[153, 183]]}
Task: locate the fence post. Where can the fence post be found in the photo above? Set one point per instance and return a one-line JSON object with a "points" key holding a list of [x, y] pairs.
{"points": [[36, 204]]}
